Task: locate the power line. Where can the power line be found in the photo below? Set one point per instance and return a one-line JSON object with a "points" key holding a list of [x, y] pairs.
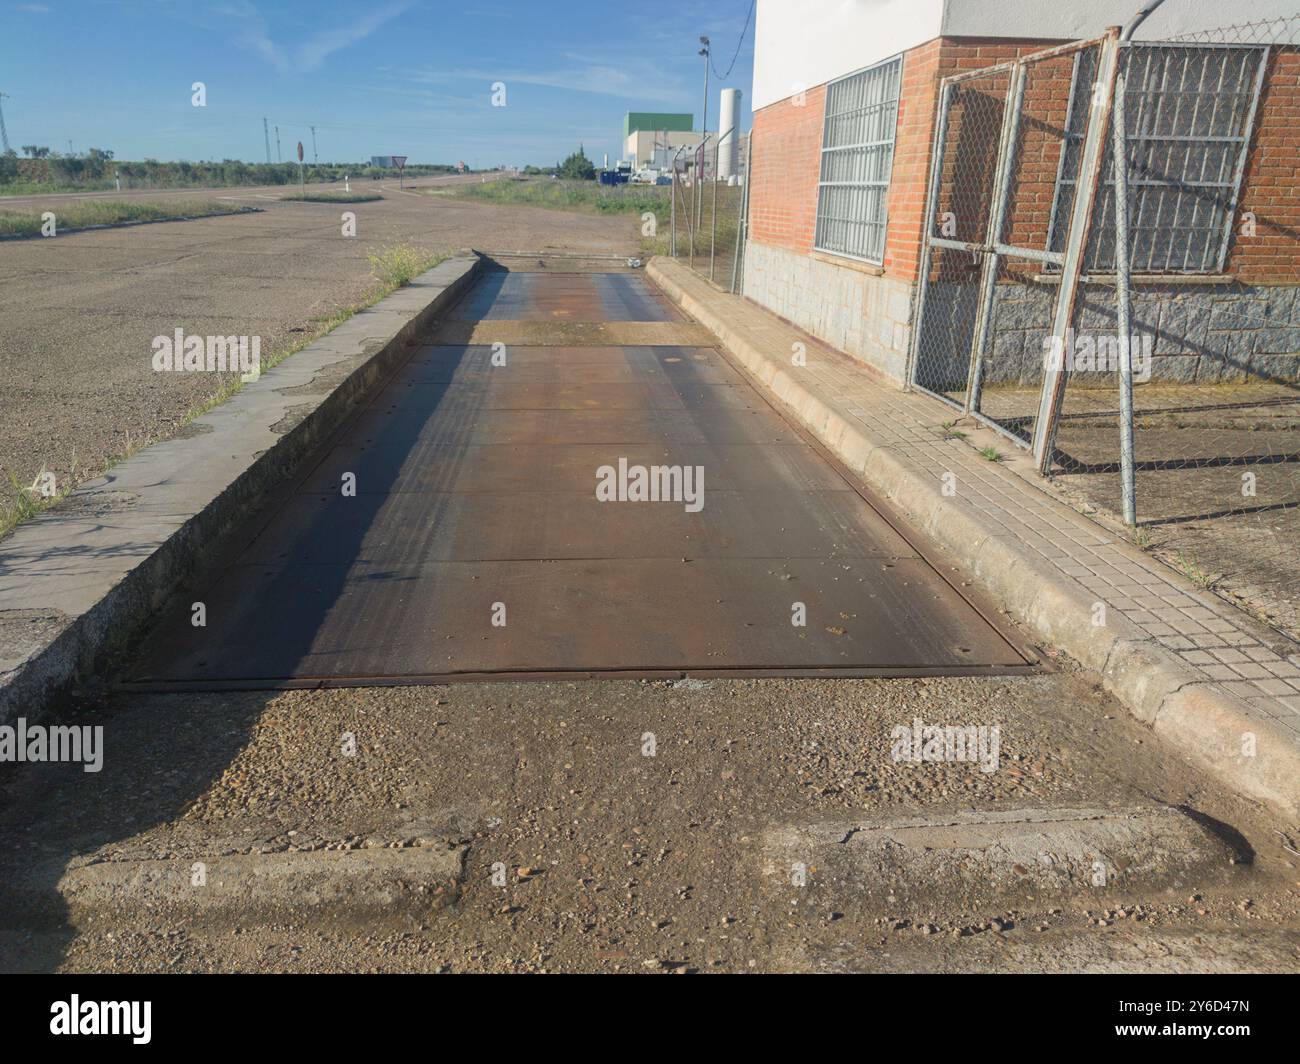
{"points": [[739, 43]]}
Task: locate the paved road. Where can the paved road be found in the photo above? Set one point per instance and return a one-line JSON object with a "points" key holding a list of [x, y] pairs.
{"points": [[472, 537]]}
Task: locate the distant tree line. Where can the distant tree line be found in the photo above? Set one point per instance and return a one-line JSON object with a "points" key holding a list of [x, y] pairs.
{"points": [[99, 167]]}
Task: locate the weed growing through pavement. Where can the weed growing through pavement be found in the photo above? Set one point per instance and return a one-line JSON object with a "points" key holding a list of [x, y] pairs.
{"points": [[399, 264], [29, 500], [1195, 572], [991, 454]]}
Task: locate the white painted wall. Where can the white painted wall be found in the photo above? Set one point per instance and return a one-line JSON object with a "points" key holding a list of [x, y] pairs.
{"points": [[799, 44], [1073, 19], [802, 43]]}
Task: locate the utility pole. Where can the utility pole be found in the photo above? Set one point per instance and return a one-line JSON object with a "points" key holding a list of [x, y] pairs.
{"points": [[267, 134], [279, 155], [4, 133], [704, 132], [315, 159]]}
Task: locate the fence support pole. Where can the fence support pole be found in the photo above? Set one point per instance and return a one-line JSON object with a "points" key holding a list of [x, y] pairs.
{"points": [[742, 224], [672, 190], [713, 223], [1002, 182], [1123, 309], [946, 89], [1123, 265], [1067, 300]]}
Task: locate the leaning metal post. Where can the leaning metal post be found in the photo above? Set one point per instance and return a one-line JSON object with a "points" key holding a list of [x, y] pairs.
{"points": [[1067, 300]]}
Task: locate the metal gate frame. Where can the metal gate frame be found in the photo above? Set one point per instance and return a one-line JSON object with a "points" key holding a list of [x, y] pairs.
{"points": [[1069, 261]]}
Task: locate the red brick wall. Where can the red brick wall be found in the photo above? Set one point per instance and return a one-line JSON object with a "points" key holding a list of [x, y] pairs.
{"points": [[917, 103], [787, 144], [787, 153], [787, 160], [1271, 183]]}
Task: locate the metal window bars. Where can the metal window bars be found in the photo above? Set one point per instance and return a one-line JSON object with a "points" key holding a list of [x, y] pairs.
{"points": [[1188, 116], [857, 161]]}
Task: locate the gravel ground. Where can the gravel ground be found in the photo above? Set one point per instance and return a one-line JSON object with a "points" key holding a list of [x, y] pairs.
{"points": [[615, 861], [79, 312]]}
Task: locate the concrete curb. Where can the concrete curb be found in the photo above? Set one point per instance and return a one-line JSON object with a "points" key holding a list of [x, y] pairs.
{"points": [[1204, 722], [79, 580], [254, 889]]}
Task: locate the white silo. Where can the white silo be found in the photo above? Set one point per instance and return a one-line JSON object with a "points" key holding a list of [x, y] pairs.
{"points": [[729, 135]]}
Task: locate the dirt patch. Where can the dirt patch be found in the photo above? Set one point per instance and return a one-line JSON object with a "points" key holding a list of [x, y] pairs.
{"points": [[583, 853], [80, 311], [1218, 481]]}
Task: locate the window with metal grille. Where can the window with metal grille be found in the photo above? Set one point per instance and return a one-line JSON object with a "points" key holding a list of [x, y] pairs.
{"points": [[1189, 112], [857, 157]]}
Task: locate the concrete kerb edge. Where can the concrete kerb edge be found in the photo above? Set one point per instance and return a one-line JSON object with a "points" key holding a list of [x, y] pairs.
{"points": [[86, 640], [1200, 719]]}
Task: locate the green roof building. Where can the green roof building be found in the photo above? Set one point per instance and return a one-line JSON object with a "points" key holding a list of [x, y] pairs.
{"points": [[652, 122]]}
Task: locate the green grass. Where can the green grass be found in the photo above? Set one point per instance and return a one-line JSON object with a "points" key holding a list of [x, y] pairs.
{"points": [[73, 216], [334, 197], [1190, 567], [991, 454], [28, 503], [567, 195], [54, 188], [594, 198]]}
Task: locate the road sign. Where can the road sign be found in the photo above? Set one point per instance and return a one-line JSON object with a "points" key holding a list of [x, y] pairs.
{"points": [[399, 161], [300, 151]]}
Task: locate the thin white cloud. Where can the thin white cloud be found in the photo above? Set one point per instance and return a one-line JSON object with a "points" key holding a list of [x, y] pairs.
{"points": [[652, 86], [312, 53]]}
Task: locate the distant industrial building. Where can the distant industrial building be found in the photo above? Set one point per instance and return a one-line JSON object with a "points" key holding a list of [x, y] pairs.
{"points": [[653, 121], [650, 139]]}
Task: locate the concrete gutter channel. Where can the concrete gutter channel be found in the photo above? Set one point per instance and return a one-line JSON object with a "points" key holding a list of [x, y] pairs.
{"points": [[1199, 719], [79, 580]]}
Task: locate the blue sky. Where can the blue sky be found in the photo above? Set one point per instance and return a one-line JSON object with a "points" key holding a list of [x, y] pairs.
{"points": [[409, 77]]}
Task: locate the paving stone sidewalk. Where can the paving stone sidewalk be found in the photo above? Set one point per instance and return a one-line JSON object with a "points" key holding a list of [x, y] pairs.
{"points": [[1215, 682]]}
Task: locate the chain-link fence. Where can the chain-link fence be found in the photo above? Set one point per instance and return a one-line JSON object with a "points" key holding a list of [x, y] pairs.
{"points": [[992, 295], [709, 199], [1137, 328], [1210, 473]]}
